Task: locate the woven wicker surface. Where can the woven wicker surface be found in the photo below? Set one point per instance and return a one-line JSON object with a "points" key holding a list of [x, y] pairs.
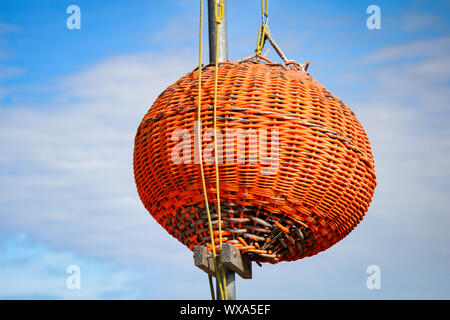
{"points": [[320, 191]]}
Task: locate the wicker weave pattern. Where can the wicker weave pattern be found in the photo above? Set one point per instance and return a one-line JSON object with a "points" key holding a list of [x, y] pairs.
{"points": [[320, 192]]}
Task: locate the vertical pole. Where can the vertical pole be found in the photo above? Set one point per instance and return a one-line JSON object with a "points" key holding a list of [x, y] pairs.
{"points": [[223, 38], [223, 56], [230, 275]]}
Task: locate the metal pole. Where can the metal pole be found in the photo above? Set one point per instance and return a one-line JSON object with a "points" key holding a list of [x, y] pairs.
{"points": [[223, 56], [230, 275], [212, 26]]}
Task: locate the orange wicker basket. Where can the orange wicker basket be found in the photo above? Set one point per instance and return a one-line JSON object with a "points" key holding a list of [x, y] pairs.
{"points": [[319, 191]]}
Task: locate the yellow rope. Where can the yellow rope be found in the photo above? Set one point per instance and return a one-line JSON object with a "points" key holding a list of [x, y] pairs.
{"points": [[263, 28], [201, 159], [265, 8], [218, 12]]}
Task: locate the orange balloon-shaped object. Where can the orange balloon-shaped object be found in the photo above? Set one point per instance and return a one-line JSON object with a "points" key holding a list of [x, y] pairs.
{"points": [[296, 169]]}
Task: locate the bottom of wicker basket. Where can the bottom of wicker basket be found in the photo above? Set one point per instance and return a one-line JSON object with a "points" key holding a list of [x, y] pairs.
{"points": [[261, 235]]}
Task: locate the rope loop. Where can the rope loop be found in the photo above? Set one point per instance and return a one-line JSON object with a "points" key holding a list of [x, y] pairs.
{"points": [[261, 38], [263, 28], [265, 11], [218, 11]]}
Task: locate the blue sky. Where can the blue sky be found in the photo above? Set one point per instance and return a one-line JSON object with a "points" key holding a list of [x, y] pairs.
{"points": [[71, 100]]}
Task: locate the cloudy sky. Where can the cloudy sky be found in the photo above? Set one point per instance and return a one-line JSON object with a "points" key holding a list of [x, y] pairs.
{"points": [[71, 101]]}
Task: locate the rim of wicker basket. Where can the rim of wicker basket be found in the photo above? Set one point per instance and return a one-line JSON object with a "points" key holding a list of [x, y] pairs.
{"points": [[257, 58]]}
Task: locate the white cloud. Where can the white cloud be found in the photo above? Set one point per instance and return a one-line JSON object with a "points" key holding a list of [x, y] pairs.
{"points": [[179, 29], [7, 72], [415, 21], [6, 28], [430, 47], [32, 271], [67, 172], [406, 114]]}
